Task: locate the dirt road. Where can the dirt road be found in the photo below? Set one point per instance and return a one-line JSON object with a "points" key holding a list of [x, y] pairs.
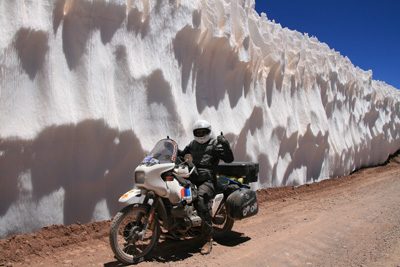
{"points": [[349, 221]]}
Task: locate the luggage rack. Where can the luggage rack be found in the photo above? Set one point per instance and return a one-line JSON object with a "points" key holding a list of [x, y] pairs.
{"points": [[241, 172]]}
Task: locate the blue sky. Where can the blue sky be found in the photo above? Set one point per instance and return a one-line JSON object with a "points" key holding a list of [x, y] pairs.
{"points": [[366, 31]]}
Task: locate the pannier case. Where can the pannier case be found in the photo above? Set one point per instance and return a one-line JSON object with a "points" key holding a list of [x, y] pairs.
{"points": [[242, 204], [246, 170]]}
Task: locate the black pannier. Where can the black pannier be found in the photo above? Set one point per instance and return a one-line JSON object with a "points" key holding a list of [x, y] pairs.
{"points": [[242, 204], [246, 170]]}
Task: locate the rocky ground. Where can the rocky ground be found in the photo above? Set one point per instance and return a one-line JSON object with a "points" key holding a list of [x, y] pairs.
{"points": [[347, 221]]}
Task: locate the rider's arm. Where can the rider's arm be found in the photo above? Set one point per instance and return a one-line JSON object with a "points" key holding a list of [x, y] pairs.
{"points": [[227, 154], [182, 153], [224, 148]]}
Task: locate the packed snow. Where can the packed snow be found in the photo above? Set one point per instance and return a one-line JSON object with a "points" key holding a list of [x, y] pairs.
{"points": [[88, 87]]}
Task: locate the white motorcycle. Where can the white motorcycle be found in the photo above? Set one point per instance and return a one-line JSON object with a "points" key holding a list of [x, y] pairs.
{"points": [[164, 204]]}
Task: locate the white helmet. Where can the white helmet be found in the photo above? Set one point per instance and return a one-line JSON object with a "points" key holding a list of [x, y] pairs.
{"points": [[202, 131]]}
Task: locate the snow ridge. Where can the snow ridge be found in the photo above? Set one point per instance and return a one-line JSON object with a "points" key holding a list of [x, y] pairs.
{"points": [[87, 87]]}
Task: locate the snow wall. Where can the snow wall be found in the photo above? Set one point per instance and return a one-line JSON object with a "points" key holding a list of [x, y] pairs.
{"points": [[88, 87]]}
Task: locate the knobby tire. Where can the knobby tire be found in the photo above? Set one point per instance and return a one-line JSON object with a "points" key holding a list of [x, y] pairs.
{"points": [[125, 238]]}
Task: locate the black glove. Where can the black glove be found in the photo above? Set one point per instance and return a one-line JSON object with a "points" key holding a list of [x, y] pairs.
{"points": [[222, 141]]}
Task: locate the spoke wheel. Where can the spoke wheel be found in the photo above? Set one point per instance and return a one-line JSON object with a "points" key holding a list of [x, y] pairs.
{"points": [[129, 240]]}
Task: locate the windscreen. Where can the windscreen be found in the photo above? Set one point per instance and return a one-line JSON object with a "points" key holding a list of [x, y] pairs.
{"points": [[165, 151]]}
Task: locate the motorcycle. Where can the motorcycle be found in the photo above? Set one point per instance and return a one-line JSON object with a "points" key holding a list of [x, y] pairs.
{"points": [[164, 204]]}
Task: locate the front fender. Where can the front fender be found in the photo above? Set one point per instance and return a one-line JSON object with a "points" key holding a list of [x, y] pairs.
{"points": [[130, 194]]}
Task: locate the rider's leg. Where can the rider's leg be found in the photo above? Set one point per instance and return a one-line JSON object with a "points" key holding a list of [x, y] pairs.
{"points": [[206, 192]]}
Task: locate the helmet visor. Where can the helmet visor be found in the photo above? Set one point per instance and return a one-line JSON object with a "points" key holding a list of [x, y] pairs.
{"points": [[201, 132]]}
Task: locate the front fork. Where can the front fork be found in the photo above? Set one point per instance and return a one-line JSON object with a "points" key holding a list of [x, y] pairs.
{"points": [[150, 214]]}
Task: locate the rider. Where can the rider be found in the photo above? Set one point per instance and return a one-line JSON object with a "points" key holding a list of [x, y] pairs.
{"points": [[206, 153]]}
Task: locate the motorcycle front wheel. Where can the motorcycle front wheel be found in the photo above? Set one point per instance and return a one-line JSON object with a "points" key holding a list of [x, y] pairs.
{"points": [[128, 240], [222, 223]]}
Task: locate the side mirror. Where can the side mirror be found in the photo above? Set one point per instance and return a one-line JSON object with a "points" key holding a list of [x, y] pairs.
{"points": [[188, 158]]}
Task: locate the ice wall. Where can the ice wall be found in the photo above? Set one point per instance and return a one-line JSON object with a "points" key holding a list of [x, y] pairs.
{"points": [[87, 87]]}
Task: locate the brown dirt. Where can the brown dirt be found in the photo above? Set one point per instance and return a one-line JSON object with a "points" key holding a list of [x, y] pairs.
{"points": [[348, 221]]}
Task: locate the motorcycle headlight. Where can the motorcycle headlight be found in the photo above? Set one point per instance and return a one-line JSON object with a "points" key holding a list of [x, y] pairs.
{"points": [[139, 177]]}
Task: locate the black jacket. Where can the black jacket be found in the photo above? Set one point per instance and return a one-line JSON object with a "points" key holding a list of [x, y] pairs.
{"points": [[206, 158]]}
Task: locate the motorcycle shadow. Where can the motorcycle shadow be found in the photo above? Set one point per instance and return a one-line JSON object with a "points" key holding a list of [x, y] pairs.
{"points": [[177, 250], [232, 240], [169, 250]]}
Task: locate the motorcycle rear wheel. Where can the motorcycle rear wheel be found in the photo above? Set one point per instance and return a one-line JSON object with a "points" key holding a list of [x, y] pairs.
{"points": [[222, 224], [125, 234]]}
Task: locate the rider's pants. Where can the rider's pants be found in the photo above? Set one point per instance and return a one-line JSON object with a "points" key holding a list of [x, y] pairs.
{"points": [[206, 192]]}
